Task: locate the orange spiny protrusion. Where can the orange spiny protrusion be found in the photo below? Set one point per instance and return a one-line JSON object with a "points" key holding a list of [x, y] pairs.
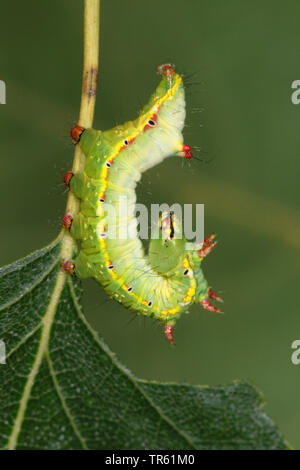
{"points": [[214, 296], [203, 252], [168, 331], [207, 246], [208, 240], [210, 307]]}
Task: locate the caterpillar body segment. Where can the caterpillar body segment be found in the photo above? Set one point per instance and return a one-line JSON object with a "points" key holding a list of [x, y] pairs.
{"points": [[164, 283]]}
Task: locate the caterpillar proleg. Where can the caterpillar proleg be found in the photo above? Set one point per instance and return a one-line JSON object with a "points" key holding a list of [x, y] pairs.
{"points": [[166, 281]]}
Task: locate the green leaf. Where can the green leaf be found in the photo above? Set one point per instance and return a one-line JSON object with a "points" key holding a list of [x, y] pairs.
{"points": [[62, 388]]}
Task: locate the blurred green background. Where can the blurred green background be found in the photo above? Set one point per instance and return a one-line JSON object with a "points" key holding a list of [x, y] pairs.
{"points": [[245, 55]]}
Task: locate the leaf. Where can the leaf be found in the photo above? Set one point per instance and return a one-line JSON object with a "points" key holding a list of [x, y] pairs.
{"points": [[62, 388]]}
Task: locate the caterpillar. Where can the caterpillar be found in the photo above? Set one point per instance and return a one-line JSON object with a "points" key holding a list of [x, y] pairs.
{"points": [[164, 283]]}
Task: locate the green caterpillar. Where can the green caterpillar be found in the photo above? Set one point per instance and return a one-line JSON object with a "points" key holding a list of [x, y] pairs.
{"points": [[165, 283]]}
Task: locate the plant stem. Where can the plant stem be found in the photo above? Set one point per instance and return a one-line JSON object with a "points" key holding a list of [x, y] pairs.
{"points": [[87, 105], [89, 83], [88, 98]]}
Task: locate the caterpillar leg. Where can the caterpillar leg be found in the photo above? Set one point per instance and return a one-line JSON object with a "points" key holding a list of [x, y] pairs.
{"points": [[79, 229], [67, 179], [77, 183], [68, 266], [75, 133], [168, 331], [74, 225], [81, 268], [67, 221]]}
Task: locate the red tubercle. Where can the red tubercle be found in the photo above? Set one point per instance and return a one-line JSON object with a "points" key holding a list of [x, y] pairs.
{"points": [[166, 70], [67, 179], [214, 296], [67, 221], [208, 240], [102, 198], [206, 250], [168, 331], [76, 133], [68, 267], [208, 306], [187, 154], [207, 247]]}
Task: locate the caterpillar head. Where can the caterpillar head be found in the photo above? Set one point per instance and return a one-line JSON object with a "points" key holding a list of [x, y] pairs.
{"points": [[166, 250], [170, 227]]}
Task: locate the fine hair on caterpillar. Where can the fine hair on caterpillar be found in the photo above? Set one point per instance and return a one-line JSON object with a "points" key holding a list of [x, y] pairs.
{"points": [[163, 283], [194, 85]]}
